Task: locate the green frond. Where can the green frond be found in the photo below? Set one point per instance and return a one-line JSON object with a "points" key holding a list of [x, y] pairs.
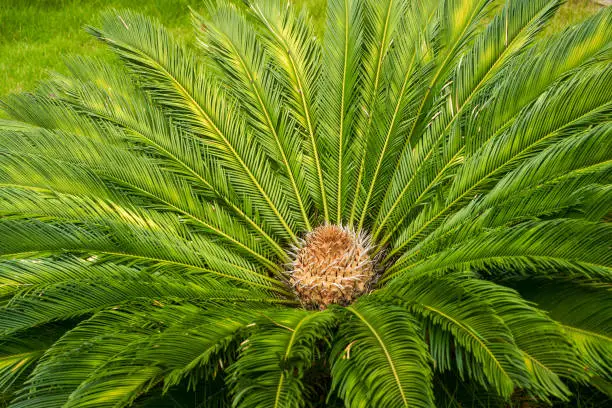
{"points": [[548, 353], [549, 61], [569, 246], [578, 153], [503, 40], [408, 62], [585, 314], [243, 68], [287, 35], [123, 233], [340, 136], [380, 358], [561, 112], [44, 298], [200, 104], [552, 183], [598, 202], [118, 354], [454, 26], [151, 132], [547, 120], [20, 354], [492, 51], [139, 180], [381, 22], [15, 361], [272, 369], [485, 346]]}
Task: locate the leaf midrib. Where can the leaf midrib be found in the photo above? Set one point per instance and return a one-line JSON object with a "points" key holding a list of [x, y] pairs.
{"points": [[386, 352]]}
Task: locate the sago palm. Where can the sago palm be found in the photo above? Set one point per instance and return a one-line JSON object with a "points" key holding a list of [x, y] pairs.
{"points": [[407, 210]]}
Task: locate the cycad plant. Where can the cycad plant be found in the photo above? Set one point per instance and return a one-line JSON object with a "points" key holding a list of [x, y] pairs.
{"points": [[407, 210]]}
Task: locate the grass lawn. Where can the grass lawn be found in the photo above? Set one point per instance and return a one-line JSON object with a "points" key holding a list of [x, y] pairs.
{"points": [[35, 34]]}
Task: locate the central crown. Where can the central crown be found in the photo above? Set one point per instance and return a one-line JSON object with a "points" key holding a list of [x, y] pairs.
{"points": [[332, 265]]}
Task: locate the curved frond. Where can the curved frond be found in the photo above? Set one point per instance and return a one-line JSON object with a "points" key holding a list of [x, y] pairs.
{"points": [[339, 94], [200, 103], [136, 180], [548, 353], [585, 314], [555, 182], [49, 291], [452, 304], [292, 45], [94, 84], [272, 369], [244, 68], [115, 355], [574, 246], [380, 358], [493, 50], [20, 354], [104, 228]]}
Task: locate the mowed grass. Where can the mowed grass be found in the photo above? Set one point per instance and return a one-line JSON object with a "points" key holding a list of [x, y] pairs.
{"points": [[36, 34]]}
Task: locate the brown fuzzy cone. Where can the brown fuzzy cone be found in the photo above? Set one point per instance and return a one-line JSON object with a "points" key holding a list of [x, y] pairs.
{"points": [[332, 266]]}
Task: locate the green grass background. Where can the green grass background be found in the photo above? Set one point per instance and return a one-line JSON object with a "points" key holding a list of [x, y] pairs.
{"points": [[35, 34]]}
